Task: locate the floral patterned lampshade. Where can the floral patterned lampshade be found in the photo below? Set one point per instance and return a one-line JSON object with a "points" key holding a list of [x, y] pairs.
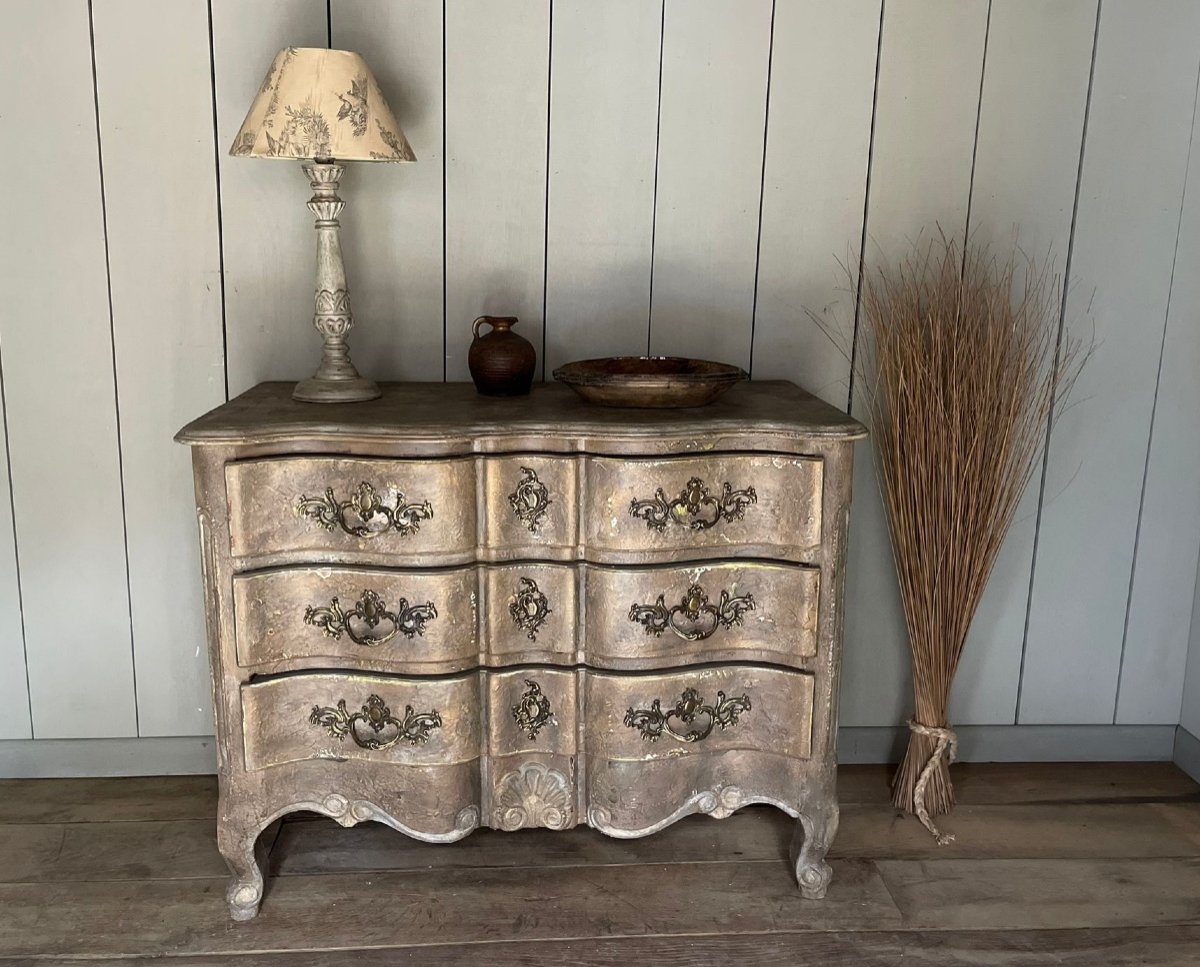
{"points": [[324, 105]]}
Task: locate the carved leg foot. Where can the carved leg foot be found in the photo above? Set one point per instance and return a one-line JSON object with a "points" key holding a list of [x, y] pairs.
{"points": [[238, 847], [814, 833]]}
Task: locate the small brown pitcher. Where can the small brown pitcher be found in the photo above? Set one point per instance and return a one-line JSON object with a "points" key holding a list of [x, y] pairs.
{"points": [[501, 363]]}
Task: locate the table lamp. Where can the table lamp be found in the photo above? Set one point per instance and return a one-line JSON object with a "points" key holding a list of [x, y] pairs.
{"points": [[324, 107]]}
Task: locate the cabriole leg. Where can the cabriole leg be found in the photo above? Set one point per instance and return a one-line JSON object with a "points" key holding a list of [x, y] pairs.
{"points": [[238, 845], [815, 830]]}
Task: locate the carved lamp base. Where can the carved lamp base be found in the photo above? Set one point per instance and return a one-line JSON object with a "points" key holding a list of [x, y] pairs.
{"points": [[318, 390], [336, 380]]}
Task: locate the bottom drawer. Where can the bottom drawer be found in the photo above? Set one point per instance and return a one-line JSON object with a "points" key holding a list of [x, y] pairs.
{"points": [[627, 753]]}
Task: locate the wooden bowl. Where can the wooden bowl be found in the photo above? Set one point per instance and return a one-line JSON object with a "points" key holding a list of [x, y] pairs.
{"points": [[649, 381]]}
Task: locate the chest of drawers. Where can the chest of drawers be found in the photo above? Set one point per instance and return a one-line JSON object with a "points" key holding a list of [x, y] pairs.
{"points": [[439, 611]]}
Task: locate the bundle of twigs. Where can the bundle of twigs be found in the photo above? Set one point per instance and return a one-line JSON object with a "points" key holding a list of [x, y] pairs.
{"points": [[963, 366]]}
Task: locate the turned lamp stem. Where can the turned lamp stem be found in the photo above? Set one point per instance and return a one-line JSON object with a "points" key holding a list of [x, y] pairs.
{"points": [[336, 380]]}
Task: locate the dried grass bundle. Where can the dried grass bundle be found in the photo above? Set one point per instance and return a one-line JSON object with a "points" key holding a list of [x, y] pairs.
{"points": [[963, 367]]}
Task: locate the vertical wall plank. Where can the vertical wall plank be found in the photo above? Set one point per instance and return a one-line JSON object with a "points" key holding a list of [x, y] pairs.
{"points": [[58, 384], [1156, 637], [14, 689], [164, 260], [1026, 162], [270, 252], [927, 101], [710, 151], [1189, 715], [1130, 192], [813, 192], [497, 75], [603, 140], [392, 226]]}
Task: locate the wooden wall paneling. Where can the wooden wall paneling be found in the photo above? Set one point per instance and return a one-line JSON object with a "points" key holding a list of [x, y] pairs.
{"points": [[814, 188], [1026, 165], [710, 153], [58, 385], [267, 232], [392, 225], [1131, 190], [497, 77], [15, 722], [1168, 544], [165, 270], [927, 100], [603, 143]]}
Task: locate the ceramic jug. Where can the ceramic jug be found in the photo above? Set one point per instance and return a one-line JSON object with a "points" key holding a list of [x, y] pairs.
{"points": [[501, 362]]}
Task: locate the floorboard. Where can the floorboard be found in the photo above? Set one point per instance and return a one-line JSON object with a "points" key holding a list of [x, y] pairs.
{"points": [[1139, 947], [1072, 864], [128, 799], [388, 909]]}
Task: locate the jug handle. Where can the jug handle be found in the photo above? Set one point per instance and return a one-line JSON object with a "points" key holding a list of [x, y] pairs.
{"points": [[476, 323]]}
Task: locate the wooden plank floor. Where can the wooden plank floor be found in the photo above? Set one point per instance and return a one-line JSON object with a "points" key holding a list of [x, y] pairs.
{"points": [[1080, 864]]}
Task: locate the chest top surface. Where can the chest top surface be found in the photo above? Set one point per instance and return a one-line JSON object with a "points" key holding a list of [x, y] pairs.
{"points": [[461, 420]]}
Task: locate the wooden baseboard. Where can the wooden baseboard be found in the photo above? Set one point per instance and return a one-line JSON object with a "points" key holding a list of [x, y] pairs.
{"points": [[196, 755], [1187, 752]]}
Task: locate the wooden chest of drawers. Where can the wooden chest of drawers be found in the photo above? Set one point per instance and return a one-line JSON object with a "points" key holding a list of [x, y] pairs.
{"points": [[440, 611]]}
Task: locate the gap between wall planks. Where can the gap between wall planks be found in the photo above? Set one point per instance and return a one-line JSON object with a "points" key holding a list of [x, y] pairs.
{"points": [[576, 208]]}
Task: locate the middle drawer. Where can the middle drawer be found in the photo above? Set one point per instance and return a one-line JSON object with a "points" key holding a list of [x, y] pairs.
{"points": [[438, 621]]}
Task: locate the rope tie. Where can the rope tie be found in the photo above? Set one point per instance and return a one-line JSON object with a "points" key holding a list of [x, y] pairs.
{"points": [[947, 743]]}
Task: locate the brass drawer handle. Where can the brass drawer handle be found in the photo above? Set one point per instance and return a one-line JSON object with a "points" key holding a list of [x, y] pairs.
{"points": [[364, 514], [653, 722], [529, 607], [414, 728], [530, 500], [695, 508], [695, 617], [533, 710], [368, 614]]}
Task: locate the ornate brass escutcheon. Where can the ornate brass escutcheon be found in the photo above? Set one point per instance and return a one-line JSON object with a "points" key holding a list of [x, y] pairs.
{"points": [[360, 624], [533, 710], [530, 500], [529, 607], [365, 514], [653, 722], [694, 508], [414, 728], [695, 617]]}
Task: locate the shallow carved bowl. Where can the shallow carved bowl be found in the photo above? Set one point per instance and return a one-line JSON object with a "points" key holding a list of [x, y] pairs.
{"points": [[649, 381]]}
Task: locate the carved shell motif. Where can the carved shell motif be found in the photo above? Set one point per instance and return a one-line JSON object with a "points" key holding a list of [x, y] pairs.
{"points": [[533, 795]]}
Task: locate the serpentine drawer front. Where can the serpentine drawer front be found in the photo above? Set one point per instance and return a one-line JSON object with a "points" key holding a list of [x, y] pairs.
{"points": [[438, 621], [440, 611], [634, 511], [709, 713]]}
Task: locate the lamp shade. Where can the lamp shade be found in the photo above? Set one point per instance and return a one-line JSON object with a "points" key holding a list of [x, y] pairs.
{"points": [[322, 105]]}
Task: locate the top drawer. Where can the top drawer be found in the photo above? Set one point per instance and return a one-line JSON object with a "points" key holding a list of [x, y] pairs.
{"points": [[351, 509], [523, 506]]}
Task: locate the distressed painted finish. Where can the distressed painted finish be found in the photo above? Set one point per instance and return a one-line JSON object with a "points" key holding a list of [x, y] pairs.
{"points": [[286, 617], [706, 717]]}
